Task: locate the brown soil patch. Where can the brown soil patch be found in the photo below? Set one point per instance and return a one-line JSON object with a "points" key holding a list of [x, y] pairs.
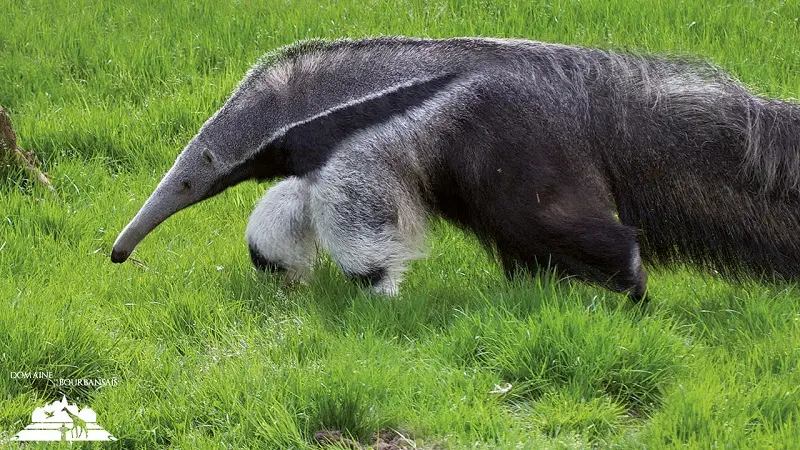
{"points": [[385, 440]]}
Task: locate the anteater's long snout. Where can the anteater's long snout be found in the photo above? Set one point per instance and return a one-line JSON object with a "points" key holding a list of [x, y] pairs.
{"points": [[154, 211], [190, 180]]}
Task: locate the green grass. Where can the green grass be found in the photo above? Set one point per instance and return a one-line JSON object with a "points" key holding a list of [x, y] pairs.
{"points": [[211, 354]]}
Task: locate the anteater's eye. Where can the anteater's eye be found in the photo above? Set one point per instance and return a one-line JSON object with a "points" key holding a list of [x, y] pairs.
{"points": [[207, 155], [186, 185]]}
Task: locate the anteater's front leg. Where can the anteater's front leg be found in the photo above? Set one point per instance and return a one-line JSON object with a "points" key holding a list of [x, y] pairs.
{"points": [[367, 219], [279, 233]]}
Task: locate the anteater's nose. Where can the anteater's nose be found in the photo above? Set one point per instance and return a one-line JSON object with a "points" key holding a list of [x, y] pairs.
{"points": [[118, 256]]}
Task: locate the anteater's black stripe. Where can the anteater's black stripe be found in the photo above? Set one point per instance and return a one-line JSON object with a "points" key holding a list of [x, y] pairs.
{"points": [[310, 144], [307, 146]]}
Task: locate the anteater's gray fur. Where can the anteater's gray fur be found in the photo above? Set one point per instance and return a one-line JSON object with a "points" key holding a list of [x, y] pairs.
{"points": [[551, 154]]}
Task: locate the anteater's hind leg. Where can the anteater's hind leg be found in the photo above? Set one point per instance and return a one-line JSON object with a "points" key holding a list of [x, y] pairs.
{"points": [[279, 233], [589, 246], [603, 251], [371, 224]]}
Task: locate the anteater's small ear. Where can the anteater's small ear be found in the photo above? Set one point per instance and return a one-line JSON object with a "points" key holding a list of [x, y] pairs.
{"points": [[208, 156]]}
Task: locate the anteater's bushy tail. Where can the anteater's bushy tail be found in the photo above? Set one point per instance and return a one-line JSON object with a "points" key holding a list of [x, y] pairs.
{"points": [[708, 171]]}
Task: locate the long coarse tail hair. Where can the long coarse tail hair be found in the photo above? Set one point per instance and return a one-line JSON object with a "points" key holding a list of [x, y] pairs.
{"points": [[708, 171]]}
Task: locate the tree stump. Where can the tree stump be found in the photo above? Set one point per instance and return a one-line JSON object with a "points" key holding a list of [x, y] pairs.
{"points": [[10, 154]]}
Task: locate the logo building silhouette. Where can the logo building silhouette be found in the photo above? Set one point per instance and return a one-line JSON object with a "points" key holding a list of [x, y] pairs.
{"points": [[61, 421]]}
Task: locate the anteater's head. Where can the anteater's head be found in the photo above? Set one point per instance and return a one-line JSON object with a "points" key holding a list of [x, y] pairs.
{"points": [[231, 147]]}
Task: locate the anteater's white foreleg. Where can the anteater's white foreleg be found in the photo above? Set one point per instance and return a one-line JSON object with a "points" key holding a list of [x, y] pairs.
{"points": [[279, 233], [367, 218]]}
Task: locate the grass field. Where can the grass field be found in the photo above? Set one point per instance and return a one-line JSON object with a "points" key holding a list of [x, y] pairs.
{"points": [[210, 354]]}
